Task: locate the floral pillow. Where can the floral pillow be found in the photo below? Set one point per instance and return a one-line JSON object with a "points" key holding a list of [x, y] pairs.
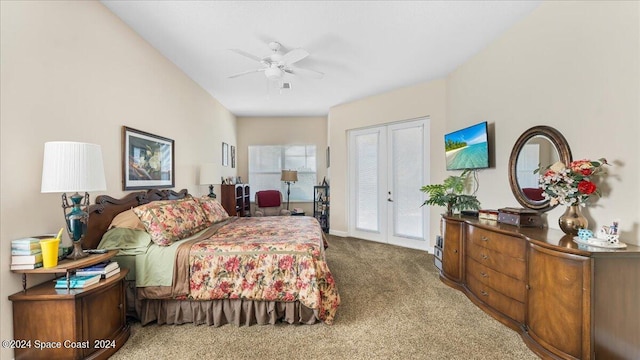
{"points": [[171, 220], [213, 209]]}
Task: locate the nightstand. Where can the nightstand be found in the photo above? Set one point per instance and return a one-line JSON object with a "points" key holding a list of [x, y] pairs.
{"points": [[71, 323]]}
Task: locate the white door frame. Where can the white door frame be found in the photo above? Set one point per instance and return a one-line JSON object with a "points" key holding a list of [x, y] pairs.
{"points": [[387, 209]]}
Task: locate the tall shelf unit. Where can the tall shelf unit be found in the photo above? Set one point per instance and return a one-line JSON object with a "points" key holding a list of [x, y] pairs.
{"points": [[321, 206], [236, 199]]}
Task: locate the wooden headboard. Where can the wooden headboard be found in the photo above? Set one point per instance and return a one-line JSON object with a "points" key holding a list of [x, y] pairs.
{"points": [[106, 208]]}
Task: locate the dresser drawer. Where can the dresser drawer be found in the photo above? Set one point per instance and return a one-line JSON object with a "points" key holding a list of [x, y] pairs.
{"points": [[506, 285], [508, 245], [504, 304], [497, 261]]}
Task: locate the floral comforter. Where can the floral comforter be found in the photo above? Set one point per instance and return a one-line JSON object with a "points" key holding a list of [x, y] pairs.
{"points": [[279, 258]]}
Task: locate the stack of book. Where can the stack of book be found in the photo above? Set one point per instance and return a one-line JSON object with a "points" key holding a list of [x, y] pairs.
{"points": [[104, 269], [77, 281], [26, 254]]}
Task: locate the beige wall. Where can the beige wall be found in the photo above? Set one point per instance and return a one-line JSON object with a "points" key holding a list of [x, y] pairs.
{"points": [[73, 71], [574, 66], [282, 131], [423, 100]]}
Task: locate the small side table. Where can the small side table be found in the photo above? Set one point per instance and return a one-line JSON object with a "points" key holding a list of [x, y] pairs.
{"points": [[87, 323]]}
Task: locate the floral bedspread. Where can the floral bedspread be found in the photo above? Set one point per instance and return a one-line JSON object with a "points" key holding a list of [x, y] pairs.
{"points": [[279, 258]]}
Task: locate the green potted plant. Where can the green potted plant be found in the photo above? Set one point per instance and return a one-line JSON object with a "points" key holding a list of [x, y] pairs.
{"points": [[450, 194]]}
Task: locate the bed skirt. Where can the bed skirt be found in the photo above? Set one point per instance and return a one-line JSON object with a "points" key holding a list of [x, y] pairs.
{"points": [[218, 312]]}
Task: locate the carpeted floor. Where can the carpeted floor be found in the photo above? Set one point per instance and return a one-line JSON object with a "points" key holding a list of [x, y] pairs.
{"points": [[393, 307]]}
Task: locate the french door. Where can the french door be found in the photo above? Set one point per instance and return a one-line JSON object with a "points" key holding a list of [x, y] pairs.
{"points": [[387, 167]]}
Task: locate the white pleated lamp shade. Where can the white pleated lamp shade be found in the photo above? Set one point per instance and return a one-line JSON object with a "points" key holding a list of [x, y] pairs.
{"points": [[209, 174], [72, 166]]}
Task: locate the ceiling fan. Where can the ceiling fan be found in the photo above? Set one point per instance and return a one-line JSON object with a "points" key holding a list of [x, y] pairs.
{"points": [[276, 65]]}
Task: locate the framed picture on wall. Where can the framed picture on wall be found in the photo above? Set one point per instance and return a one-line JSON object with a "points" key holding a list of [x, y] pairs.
{"points": [[328, 157], [225, 154], [148, 161], [233, 156]]}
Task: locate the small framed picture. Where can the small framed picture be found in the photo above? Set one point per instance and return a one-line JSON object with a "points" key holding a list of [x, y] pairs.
{"points": [[233, 156], [225, 154], [147, 160], [328, 157]]}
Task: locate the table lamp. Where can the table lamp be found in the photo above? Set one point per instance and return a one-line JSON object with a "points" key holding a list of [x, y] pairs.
{"points": [[289, 176], [208, 175], [73, 167]]}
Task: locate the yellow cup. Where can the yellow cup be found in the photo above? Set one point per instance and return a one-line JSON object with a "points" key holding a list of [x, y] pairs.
{"points": [[49, 252]]}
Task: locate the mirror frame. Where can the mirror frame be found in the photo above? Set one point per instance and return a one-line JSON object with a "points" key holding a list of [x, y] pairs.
{"points": [[564, 154]]}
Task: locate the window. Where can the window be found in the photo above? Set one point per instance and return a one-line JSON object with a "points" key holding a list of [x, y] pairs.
{"points": [[267, 161]]}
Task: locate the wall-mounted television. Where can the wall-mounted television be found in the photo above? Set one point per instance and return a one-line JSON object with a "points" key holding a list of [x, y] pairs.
{"points": [[467, 148]]}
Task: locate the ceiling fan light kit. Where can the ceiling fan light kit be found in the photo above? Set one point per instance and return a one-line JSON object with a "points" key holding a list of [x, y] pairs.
{"points": [[273, 73]]}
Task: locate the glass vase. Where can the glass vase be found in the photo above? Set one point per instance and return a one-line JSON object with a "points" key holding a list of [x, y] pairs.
{"points": [[572, 220]]}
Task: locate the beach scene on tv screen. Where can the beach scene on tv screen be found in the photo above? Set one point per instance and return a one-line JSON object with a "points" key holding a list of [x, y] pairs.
{"points": [[467, 148]]}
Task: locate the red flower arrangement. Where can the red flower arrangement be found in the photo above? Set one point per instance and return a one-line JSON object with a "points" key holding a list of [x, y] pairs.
{"points": [[571, 185]]}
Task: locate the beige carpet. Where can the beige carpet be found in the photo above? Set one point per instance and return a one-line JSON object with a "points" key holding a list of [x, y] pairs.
{"points": [[393, 307]]}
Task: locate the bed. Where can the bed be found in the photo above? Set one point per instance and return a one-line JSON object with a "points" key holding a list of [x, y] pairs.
{"points": [[191, 263]]}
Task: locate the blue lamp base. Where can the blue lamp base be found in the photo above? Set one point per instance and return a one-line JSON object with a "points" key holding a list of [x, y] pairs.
{"points": [[76, 220]]}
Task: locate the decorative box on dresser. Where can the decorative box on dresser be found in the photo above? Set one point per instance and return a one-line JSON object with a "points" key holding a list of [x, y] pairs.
{"points": [[566, 301], [87, 323]]}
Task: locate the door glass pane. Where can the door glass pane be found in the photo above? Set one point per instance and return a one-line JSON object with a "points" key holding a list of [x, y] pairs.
{"points": [[407, 164], [366, 173], [528, 162]]}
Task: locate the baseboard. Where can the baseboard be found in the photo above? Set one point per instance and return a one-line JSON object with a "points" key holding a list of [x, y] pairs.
{"points": [[338, 233]]}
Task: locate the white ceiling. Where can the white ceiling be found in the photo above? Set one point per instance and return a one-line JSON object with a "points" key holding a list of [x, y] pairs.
{"points": [[362, 47]]}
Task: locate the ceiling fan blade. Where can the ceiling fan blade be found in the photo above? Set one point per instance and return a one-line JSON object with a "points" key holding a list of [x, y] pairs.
{"points": [[305, 72], [294, 55], [246, 54], [245, 73]]}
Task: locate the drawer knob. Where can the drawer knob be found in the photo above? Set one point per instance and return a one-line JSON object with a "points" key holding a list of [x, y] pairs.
{"points": [[484, 257], [483, 274], [484, 293], [484, 238], [455, 251]]}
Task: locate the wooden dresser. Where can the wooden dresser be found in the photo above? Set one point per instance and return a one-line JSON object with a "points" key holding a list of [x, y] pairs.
{"points": [[566, 301]]}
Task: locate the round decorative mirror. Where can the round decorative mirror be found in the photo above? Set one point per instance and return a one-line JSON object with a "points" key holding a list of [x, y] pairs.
{"points": [[540, 145]]}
